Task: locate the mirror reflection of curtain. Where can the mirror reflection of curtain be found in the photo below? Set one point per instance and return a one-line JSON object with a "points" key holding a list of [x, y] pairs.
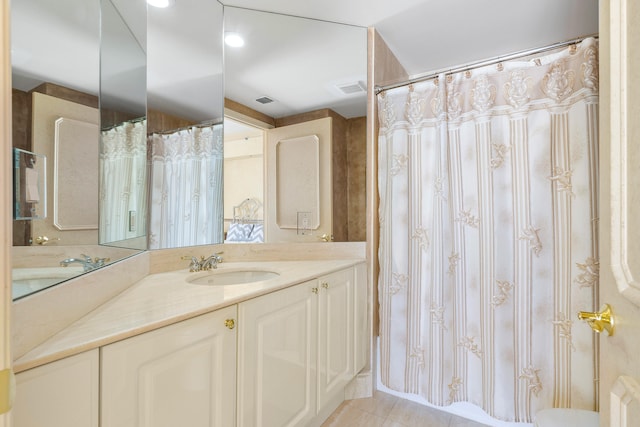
{"points": [[186, 187], [123, 175], [488, 235]]}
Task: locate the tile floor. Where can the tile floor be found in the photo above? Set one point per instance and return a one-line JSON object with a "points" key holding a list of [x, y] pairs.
{"points": [[385, 410]]}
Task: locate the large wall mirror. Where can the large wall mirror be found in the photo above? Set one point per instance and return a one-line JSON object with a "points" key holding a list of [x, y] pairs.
{"points": [[122, 168], [55, 50], [286, 76], [148, 97], [162, 166]]}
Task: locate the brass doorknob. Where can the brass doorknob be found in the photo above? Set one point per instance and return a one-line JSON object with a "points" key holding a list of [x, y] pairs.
{"points": [[43, 240], [230, 323], [599, 320]]}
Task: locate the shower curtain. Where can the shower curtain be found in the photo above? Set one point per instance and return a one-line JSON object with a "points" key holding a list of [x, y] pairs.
{"points": [[488, 235], [123, 175], [186, 187]]}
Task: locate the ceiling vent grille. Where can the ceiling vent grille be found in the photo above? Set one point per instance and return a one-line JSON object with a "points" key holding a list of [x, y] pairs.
{"points": [[352, 88], [264, 100]]}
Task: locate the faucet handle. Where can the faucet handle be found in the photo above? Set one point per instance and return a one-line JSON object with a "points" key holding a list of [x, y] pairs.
{"points": [[194, 265]]}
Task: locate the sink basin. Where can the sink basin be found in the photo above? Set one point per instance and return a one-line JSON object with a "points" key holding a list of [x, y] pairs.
{"points": [[26, 281], [237, 277]]}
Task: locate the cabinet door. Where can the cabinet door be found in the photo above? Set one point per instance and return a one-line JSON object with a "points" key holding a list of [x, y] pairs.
{"points": [[180, 375], [362, 336], [60, 394], [335, 325], [277, 358]]}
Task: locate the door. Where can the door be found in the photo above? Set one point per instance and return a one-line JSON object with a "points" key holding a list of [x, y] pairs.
{"points": [[298, 189], [6, 196], [180, 375], [335, 329], [64, 393], [619, 210], [277, 350]]}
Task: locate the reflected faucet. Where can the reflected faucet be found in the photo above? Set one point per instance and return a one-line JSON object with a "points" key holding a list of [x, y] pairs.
{"points": [[86, 261], [203, 264]]}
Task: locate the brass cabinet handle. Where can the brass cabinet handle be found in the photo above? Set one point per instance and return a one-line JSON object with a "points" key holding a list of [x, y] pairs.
{"points": [[599, 320], [230, 323], [314, 290], [325, 285]]}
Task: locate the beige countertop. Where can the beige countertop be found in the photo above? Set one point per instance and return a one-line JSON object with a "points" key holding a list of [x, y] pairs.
{"points": [[164, 298]]}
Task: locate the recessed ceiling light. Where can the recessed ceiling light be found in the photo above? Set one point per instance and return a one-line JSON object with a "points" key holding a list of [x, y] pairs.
{"points": [[161, 3], [233, 39]]}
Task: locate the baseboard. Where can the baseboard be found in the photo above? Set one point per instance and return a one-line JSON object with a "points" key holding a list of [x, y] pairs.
{"points": [[359, 387], [330, 406]]}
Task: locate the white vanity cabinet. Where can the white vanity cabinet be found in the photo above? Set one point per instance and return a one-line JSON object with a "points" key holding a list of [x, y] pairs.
{"points": [[279, 359], [180, 375], [64, 393], [296, 351]]}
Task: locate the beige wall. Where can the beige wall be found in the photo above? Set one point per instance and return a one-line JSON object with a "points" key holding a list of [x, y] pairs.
{"points": [[21, 138], [383, 68], [356, 179]]}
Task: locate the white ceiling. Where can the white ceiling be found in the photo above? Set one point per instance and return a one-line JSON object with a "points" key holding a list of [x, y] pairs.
{"points": [[425, 35], [300, 63], [46, 39]]}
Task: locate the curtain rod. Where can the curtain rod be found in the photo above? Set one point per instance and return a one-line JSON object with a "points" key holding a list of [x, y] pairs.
{"points": [[466, 67], [132, 121], [188, 127]]}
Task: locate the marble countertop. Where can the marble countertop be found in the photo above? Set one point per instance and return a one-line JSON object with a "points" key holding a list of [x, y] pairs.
{"points": [[165, 298]]}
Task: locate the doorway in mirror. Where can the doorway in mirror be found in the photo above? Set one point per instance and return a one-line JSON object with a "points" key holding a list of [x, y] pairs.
{"points": [[243, 182], [265, 161]]}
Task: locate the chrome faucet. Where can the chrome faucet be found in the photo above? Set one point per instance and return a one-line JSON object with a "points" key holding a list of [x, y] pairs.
{"points": [[211, 262], [203, 264], [86, 261]]}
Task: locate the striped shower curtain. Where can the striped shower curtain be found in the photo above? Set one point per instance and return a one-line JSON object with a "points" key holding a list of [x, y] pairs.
{"points": [[123, 182], [488, 235], [186, 188]]}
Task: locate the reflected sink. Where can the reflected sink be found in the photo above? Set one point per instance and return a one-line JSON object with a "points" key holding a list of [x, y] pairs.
{"points": [[26, 281], [236, 277]]}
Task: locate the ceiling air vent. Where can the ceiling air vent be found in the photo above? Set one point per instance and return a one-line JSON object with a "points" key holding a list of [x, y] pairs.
{"points": [[264, 100], [352, 88]]}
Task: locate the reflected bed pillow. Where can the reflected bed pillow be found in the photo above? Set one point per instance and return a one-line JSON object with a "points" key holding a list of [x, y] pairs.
{"points": [[248, 233]]}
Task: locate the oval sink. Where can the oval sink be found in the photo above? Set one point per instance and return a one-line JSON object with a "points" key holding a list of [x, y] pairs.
{"points": [[29, 280], [225, 278]]}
